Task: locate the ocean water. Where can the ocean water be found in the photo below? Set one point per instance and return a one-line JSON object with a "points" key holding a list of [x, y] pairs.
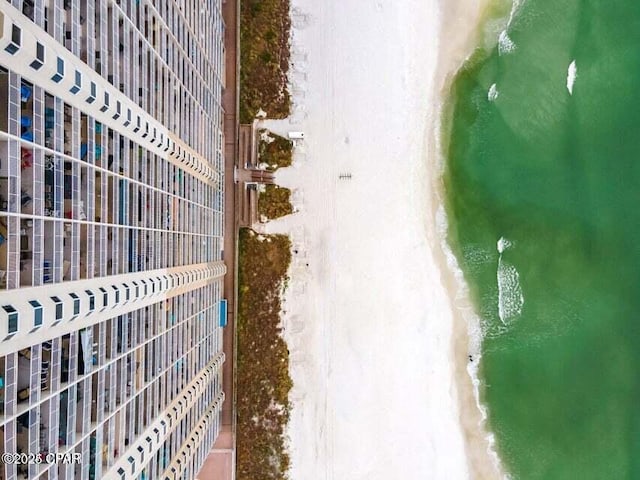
{"points": [[543, 200]]}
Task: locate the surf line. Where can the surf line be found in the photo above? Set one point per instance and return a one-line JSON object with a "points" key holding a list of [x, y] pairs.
{"points": [[510, 297]]}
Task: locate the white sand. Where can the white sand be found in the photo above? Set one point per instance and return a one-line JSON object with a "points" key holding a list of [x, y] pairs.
{"points": [[377, 393]]}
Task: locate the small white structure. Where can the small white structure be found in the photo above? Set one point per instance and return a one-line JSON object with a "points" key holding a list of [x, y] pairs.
{"points": [[296, 135]]}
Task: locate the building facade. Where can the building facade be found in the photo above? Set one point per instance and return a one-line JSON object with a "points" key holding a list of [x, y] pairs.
{"points": [[110, 237]]}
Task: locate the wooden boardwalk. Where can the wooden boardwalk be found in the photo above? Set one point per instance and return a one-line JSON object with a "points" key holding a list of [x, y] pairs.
{"points": [[220, 464], [248, 175], [241, 176]]}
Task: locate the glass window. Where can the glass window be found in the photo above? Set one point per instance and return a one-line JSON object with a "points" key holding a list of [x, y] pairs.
{"points": [[117, 293], [105, 297], [77, 84], [37, 313], [59, 71], [12, 318], [128, 120], [76, 303], [105, 106], [121, 472], [59, 308], [118, 110], [127, 292], [92, 97], [92, 300], [16, 35], [138, 124], [133, 464], [39, 61]]}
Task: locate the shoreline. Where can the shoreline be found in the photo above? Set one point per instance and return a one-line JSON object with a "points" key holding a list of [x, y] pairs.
{"points": [[482, 455], [484, 462], [342, 316]]}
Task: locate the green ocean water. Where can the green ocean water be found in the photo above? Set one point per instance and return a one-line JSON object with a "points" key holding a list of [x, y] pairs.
{"points": [[557, 177]]}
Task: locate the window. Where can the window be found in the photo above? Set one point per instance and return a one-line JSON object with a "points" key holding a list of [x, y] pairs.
{"points": [[146, 130], [92, 96], [133, 464], [127, 292], [92, 300], [105, 298], [105, 106], [76, 303], [148, 439], [121, 472], [138, 124], [12, 319], [128, 121], [144, 284], [16, 35], [77, 84], [39, 61], [135, 284], [37, 313], [118, 110], [141, 451], [59, 308], [117, 294], [59, 71]]}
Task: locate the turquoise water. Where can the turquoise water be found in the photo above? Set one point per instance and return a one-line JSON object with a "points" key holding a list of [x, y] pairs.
{"points": [[557, 177]]}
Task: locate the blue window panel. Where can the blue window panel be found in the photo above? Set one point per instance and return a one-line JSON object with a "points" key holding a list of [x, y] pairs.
{"points": [[223, 313]]}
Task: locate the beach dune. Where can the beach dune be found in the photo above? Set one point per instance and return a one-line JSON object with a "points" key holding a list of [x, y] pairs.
{"points": [[369, 320]]}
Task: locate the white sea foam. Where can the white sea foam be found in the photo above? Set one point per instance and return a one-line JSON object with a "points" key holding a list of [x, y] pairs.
{"points": [[572, 74], [503, 244], [510, 298], [474, 328], [505, 44], [493, 93]]}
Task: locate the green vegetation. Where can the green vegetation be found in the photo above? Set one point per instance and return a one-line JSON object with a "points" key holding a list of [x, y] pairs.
{"points": [[263, 381], [274, 202], [264, 58], [276, 152]]}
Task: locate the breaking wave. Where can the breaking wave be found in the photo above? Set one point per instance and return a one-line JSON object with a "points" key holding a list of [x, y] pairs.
{"points": [[572, 74], [493, 93], [510, 298], [505, 44]]}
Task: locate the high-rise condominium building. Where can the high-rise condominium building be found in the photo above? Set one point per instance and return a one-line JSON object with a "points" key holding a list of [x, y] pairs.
{"points": [[110, 237]]}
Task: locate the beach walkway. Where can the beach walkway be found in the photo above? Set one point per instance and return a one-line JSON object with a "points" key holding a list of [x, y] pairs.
{"points": [[249, 175], [220, 464]]}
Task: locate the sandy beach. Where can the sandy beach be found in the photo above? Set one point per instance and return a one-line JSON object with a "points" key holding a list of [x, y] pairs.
{"points": [[379, 352]]}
